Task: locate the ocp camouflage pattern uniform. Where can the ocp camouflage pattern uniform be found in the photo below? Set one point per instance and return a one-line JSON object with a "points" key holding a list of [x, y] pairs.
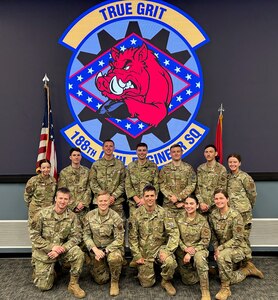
{"points": [[39, 193], [242, 196], [137, 177], [179, 181], [109, 175], [48, 229], [77, 181], [106, 233], [228, 238], [208, 179], [193, 233], [150, 234]]}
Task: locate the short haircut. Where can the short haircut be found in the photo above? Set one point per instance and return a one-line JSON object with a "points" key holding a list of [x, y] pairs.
{"points": [[108, 140], [222, 191], [74, 149], [211, 146], [44, 161], [175, 146], [141, 145], [149, 188], [103, 192], [236, 155], [63, 190]]}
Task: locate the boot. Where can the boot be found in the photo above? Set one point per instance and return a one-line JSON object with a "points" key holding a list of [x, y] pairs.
{"points": [[251, 270], [114, 288], [167, 285], [204, 284], [74, 287], [224, 292]]}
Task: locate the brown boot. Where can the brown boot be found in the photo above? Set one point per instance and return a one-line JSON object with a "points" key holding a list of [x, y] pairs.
{"points": [[204, 284], [224, 292], [114, 288], [167, 285], [251, 270], [74, 288]]}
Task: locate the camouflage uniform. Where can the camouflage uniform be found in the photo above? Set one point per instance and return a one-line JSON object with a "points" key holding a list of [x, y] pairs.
{"points": [[137, 177], [109, 175], [48, 229], [242, 194], [193, 233], [208, 179], [228, 238], [77, 181], [106, 233], [150, 234], [39, 193], [179, 181]]}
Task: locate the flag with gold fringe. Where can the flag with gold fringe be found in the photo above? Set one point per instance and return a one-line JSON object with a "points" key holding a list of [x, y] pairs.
{"points": [[219, 134]]}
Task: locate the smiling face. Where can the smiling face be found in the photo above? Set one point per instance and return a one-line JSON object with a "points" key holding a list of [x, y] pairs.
{"points": [[150, 199], [103, 203], [176, 153], [234, 164], [61, 202], [190, 206], [221, 201], [45, 168], [108, 149], [142, 152]]}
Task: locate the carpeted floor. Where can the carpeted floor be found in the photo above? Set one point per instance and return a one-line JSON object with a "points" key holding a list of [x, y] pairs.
{"points": [[16, 283]]}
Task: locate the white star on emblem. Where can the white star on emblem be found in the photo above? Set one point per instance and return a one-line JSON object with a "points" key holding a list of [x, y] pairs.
{"points": [[123, 48], [156, 54], [79, 93], [188, 76], [166, 62], [133, 41], [98, 105], [170, 106], [118, 120], [89, 99], [90, 70], [79, 78], [141, 126], [127, 126], [177, 69], [188, 92], [179, 98], [198, 84], [101, 63], [70, 86]]}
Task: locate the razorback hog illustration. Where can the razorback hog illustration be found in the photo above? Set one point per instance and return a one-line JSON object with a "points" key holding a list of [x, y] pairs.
{"points": [[136, 79]]}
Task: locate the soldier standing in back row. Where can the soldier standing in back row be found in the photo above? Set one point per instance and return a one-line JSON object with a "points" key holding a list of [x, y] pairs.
{"points": [[108, 174], [153, 238], [76, 178], [210, 175], [40, 189], [104, 237], [177, 180], [139, 173]]}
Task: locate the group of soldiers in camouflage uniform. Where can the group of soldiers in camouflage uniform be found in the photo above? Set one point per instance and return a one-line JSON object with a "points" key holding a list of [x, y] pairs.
{"points": [[177, 234]]}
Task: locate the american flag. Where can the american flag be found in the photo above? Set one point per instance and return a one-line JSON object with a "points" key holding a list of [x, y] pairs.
{"points": [[47, 148]]}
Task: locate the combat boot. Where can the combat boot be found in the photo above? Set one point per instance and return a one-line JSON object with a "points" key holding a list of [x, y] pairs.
{"points": [[224, 292], [74, 288], [167, 285], [204, 284], [251, 270], [114, 288]]}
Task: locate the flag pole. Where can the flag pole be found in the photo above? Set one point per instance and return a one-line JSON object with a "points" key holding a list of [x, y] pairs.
{"points": [[219, 131]]}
